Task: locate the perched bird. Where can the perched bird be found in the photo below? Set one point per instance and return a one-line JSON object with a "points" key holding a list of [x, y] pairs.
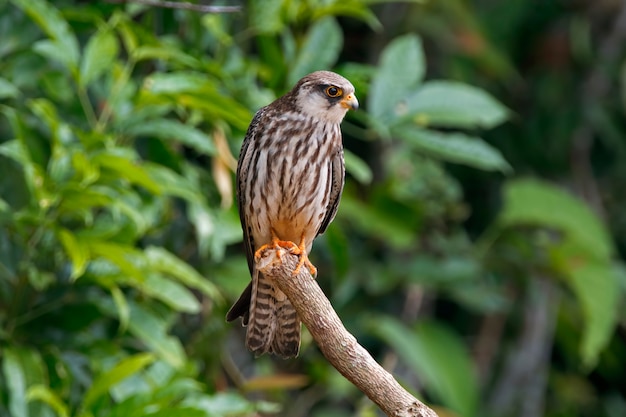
{"points": [[290, 176]]}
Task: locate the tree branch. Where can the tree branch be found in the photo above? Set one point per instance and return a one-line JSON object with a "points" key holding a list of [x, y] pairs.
{"points": [[595, 91], [336, 343], [202, 8]]}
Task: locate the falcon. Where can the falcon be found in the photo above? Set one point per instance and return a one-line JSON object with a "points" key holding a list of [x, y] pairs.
{"points": [[290, 176]]}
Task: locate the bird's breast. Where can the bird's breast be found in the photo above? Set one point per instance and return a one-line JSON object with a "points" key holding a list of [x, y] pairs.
{"points": [[293, 183]]}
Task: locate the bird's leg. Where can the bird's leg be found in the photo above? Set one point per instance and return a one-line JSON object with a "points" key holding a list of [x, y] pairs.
{"points": [[300, 250], [275, 244]]}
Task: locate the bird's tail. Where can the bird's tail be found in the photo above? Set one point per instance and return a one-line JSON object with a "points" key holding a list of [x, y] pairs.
{"points": [[273, 325], [241, 308]]}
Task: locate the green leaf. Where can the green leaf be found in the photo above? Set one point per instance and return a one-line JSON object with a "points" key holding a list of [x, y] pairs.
{"points": [[7, 89], [152, 330], [178, 412], [99, 56], [438, 357], [428, 270], [357, 9], [57, 86], [381, 223], [49, 397], [198, 92], [127, 32], [319, 50], [163, 261], [4, 206], [454, 147], [226, 228], [60, 164], [218, 105], [13, 149], [265, 16], [535, 203], [123, 310], [357, 167], [64, 45], [596, 287], [164, 53], [171, 293], [123, 256], [222, 404], [46, 111], [339, 246], [217, 28], [173, 183], [40, 279], [177, 82], [453, 104], [16, 388], [203, 220], [77, 252], [372, 2], [53, 51], [128, 169], [130, 205], [21, 369], [583, 257], [401, 67], [175, 131], [75, 199], [151, 108], [121, 371], [86, 172]]}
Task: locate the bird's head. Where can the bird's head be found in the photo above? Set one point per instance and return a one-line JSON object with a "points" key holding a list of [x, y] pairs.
{"points": [[325, 96]]}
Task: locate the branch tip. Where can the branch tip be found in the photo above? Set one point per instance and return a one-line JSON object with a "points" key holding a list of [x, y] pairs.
{"points": [[339, 346]]}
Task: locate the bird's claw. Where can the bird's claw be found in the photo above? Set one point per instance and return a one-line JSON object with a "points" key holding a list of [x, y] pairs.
{"points": [[275, 244], [291, 247], [303, 260]]}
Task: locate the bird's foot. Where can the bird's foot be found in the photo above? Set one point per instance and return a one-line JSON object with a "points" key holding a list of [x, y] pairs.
{"points": [[276, 244], [303, 260], [291, 247]]}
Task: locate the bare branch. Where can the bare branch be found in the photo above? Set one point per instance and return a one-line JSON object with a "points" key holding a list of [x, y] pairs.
{"points": [[336, 343], [595, 90], [202, 8]]}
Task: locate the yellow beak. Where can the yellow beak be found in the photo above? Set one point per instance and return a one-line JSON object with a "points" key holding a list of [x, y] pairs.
{"points": [[350, 102]]}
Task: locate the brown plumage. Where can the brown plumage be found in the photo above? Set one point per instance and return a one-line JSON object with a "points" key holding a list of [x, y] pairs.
{"points": [[289, 180]]}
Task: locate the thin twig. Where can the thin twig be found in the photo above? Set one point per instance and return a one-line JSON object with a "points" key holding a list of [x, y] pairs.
{"points": [[202, 8], [338, 346], [597, 87], [521, 389]]}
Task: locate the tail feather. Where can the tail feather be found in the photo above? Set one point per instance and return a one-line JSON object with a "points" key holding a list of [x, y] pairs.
{"points": [[241, 308], [273, 325], [286, 341]]}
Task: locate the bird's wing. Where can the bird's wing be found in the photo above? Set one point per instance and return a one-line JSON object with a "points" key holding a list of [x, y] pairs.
{"points": [[338, 173], [241, 306], [245, 159]]}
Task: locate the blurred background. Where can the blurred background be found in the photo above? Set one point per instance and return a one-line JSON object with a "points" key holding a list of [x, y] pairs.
{"points": [[478, 252]]}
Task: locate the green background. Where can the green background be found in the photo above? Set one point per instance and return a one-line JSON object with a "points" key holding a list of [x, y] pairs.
{"points": [[478, 249]]}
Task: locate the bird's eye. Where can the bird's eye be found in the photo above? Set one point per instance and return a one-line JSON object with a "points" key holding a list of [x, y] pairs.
{"points": [[333, 91]]}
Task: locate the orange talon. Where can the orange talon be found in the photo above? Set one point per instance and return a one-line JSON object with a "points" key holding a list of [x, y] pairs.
{"points": [[275, 244], [300, 250]]}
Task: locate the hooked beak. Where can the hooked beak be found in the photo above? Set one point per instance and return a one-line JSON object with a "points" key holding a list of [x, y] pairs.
{"points": [[350, 102]]}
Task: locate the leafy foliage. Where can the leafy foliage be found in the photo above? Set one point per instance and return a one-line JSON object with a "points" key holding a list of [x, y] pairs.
{"points": [[582, 255], [119, 242]]}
